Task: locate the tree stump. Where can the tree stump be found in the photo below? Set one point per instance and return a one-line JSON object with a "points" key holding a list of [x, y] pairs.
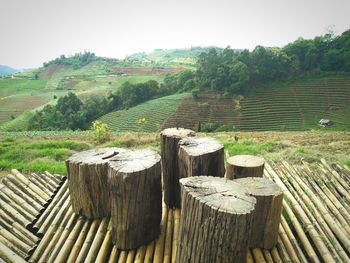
{"points": [[242, 166], [136, 198], [267, 212], [201, 156], [169, 143], [216, 220], [87, 174]]}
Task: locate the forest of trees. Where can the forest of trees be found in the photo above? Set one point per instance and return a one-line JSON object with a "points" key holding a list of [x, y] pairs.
{"points": [[225, 71], [238, 70]]}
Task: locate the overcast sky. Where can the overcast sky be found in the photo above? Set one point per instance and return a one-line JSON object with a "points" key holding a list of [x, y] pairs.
{"points": [[36, 31]]}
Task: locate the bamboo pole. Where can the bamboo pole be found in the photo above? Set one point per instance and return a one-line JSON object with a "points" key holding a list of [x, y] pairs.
{"points": [[32, 186], [88, 240], [105, 249], [67, 246], [258, 255], [13, 247], [25, 189], [42, 185], [329, 206], [275, 255], [29, 200], [159, 246], [114, 255], [267, 256], [15, 214], [336, 175], [140, 254], [168, 238], [17, 229], [15, 206], [288, 245], [325, 214], [65, 229], [9, 256], [79, 242], [18, 199], [310, 210], [57, 179], [307, 223], [123, 256], [99, 236], [249, 257], [177, 213], [282, 251], [149, 252], [49, 249], [49, 234], [46, 181], [131, 256], [45, 224], [57, 201], [293, 240]]}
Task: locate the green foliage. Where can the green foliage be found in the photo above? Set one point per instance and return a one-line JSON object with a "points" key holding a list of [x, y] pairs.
{"points": [[69, 113], [100, 131], [252, 148], [37, 155], [77, 61]]}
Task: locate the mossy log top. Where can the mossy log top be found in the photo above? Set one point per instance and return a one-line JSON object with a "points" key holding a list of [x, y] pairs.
{"points": [[136, 198], [87, 180]]}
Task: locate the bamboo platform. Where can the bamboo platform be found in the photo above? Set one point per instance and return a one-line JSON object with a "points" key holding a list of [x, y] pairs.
{"points": [[315, 225]]}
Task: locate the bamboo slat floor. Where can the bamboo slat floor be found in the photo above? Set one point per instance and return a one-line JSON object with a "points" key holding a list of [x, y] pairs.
{"points": [[315, 225]]}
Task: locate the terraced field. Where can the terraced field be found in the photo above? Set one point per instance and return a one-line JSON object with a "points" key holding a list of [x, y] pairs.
{"points": [[298, 106], [146, 117]]}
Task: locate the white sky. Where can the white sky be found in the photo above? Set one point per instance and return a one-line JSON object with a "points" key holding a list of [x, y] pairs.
{"points": [[36, 31]]}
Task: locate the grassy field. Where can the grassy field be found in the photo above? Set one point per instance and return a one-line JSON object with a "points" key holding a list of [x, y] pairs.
{"points": [[39, 151], [146, 117], [21, 96]]}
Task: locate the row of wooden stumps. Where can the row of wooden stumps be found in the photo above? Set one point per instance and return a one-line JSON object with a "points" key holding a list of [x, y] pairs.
{"points": [[220, 218]]}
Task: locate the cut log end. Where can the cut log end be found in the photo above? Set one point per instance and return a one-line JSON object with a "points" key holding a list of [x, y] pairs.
{"points": [[242, 166], [177, 133], [196, 146], [136, 198], [214, 212], [267, 214], [87, 181]]}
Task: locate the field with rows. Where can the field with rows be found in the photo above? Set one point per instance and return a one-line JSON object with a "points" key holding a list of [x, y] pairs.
{"points": [[146, 117], [296, 106]]}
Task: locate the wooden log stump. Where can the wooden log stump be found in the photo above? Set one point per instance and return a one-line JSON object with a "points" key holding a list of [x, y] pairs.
{"points": [[169, 143], [216, 220], [88, 181], [267, 214], [136, 198], [241, 166], [201, 156]]}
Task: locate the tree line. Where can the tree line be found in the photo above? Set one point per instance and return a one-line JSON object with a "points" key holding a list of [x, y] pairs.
{"points": [[232, 70]]}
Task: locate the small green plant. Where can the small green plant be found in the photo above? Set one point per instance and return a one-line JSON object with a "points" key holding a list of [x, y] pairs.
{"points": [[100, 130]]}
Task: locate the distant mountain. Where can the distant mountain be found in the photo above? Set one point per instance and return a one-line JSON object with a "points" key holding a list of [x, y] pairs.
{"points": [[6, 70]]}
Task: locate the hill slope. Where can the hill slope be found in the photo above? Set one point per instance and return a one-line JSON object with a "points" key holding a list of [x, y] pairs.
{"points": [[296, 106]]}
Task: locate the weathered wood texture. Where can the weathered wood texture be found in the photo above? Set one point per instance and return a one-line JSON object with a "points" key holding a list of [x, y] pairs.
{"points": [[136, 198], [169, 143], [87, 180], [216, 220], [267, 214], [201, 156], [242, 166]]}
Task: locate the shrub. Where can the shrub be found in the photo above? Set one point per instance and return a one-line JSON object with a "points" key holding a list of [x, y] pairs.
{"points": [[100, 130]]}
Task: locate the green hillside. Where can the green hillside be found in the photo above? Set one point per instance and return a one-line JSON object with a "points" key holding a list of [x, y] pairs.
{"points": [[290, 107], [146, 117]]}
